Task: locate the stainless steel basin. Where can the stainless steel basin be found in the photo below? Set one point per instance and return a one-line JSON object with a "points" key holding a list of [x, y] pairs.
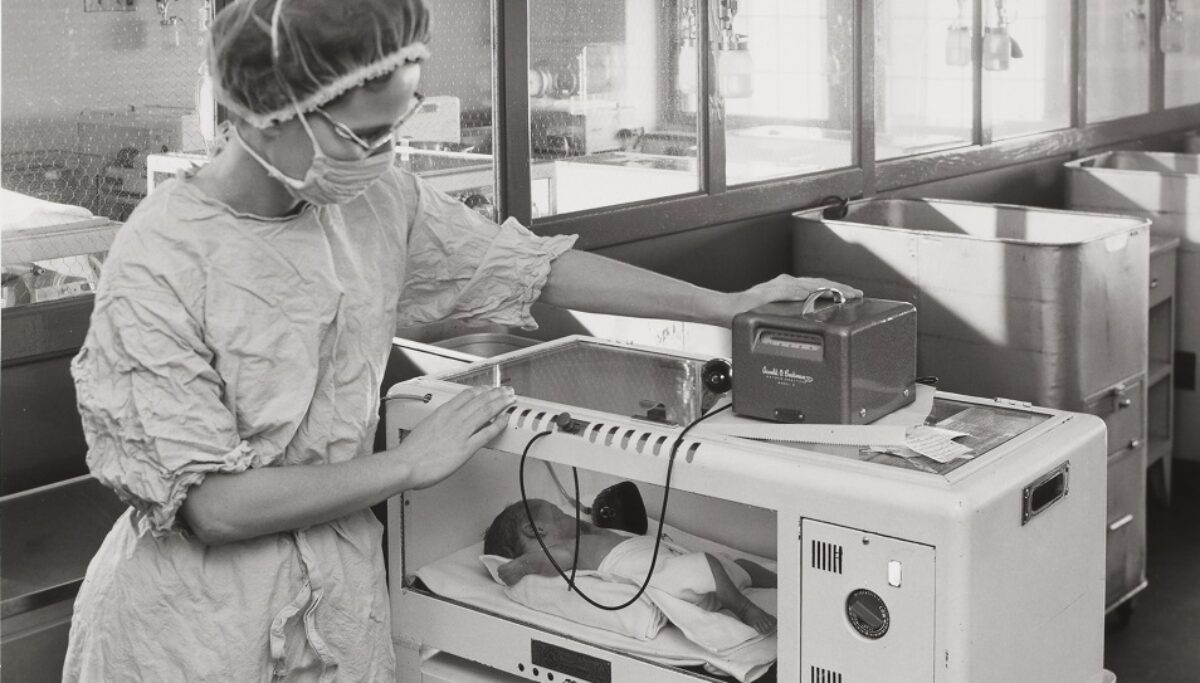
{"points": [[486, 344]]}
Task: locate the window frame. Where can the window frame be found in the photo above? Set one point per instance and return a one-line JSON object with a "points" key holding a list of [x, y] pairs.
{"points": [[717, 203]]}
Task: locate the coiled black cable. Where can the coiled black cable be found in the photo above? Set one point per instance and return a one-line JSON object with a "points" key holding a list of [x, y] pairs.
{"points": [[662, 517]]}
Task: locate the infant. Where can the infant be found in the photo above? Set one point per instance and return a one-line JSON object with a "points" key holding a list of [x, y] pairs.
{"points": [[511, 535]]}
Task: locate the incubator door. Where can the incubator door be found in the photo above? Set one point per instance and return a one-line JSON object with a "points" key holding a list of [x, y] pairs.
{"points": [[868, 606]]}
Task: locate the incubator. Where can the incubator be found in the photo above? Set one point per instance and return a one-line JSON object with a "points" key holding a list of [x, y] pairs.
{"points": [[890, 566]]}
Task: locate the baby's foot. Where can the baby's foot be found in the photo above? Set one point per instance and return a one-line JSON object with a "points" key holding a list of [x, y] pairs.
{"points": [[757, 618]]}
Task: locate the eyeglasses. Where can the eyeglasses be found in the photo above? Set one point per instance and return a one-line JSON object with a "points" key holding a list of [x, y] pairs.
{"points": [[346, 133]]}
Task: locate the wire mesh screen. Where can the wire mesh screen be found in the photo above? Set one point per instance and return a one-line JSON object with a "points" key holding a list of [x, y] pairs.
{"points": [[449, 141], [91, 89]]}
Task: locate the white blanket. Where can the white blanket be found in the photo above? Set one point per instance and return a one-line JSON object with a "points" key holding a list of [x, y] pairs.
{"points": [[461, 576], [682, 586], [22, 212]]}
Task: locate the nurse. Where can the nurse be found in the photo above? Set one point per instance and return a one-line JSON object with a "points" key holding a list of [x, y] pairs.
{"points": [[229, 383]]}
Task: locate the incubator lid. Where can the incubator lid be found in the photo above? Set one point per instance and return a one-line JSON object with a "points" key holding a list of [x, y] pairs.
{"points": [[657, 386], [629, 382]]}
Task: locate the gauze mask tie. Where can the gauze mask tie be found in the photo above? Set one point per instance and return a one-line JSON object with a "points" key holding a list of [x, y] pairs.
{"points": [[327, 180]]}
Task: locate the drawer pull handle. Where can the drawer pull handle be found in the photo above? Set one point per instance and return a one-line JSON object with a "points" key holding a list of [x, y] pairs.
{"points": [[1124, 402], [1134, 443], [1154, 283], [1121, 522]]}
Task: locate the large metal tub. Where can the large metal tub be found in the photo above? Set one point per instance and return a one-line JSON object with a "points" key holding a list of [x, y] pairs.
{"points": [[1031, 304], [1165, 188]]}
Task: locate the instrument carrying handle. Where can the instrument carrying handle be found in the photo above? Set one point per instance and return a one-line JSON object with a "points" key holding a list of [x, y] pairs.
{"points": [[811, 302]]}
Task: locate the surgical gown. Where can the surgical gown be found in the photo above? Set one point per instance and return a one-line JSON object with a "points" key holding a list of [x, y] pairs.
{"points": [[222, 341]]}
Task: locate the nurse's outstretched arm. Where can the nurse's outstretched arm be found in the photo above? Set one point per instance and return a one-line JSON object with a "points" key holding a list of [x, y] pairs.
{"points": [[589, 282], [232, 507]]}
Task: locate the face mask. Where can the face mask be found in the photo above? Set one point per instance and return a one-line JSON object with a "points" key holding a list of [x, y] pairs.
{"points": [[328, 180]]}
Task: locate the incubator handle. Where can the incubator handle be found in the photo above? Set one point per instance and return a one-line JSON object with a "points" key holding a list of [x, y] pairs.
{"points": [[811, 302]]}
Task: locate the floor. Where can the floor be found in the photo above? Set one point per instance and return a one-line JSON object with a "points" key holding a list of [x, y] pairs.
{"points": [[1161, 642]]}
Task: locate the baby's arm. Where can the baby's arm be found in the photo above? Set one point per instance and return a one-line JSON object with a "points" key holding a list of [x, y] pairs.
{"points": [[760, 576], [735, 601], [535, 562]]}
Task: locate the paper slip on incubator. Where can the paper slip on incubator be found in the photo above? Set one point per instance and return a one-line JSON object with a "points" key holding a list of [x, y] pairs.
{"points": [[890, 566]]}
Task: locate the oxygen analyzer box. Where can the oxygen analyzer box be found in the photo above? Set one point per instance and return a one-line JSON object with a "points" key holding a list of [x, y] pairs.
{"points": [[850, 362]]}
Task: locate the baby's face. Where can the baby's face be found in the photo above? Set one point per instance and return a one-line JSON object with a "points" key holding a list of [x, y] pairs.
{"points": [[555, 525]]}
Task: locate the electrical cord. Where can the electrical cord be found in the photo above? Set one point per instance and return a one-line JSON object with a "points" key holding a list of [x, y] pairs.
{"points": [[662, 517]]}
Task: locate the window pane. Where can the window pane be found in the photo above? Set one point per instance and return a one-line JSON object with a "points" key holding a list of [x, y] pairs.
{"points": [[923, 76], [92, 89], [1027, 65], [1118, 59], [1180, 43], [449, 140], [612, 88], [787, 75]]}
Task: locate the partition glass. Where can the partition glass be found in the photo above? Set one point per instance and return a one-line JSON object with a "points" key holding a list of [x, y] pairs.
{"points": [[612, 102], [1026, 66], [1118, 59], [924, 80], [785, 72], [449, 139], [1179, 40]]}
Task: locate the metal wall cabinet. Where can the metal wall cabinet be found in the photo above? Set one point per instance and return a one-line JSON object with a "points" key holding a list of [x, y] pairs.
{"points": [[53, 514], [1123, 409], [1160, 375], [1165, 188], [1036, 305]]}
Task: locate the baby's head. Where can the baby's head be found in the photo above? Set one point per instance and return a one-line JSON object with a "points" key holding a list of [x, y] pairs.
{"points": [[511, 535]]}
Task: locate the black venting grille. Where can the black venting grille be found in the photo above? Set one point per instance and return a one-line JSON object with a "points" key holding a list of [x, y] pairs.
{"points": [[827, 556], [818, 675]]}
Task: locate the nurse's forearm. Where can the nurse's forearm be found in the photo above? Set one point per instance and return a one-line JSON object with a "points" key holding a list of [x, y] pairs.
{"points": [[232, 507], [588, 282]]}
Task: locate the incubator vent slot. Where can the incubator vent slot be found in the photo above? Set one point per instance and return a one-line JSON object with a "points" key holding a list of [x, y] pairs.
{"points": [[658, 445], [827, 556], [691, 451], [521, 418], [641, 442], [595, 432], [818, 675]]}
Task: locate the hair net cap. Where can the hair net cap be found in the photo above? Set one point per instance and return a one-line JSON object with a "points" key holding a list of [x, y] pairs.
{"points": [[275, 59]]}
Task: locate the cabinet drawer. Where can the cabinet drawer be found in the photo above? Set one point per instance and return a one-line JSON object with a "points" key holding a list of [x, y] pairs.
{"points": [[1162, 275], [1125, 555], [1123, 409]]}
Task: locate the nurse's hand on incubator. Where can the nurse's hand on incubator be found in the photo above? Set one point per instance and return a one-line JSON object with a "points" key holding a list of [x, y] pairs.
{"points": [[445, 440]]}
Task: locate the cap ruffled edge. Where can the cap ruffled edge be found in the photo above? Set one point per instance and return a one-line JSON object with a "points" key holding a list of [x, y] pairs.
{"points": [[410, 52]]}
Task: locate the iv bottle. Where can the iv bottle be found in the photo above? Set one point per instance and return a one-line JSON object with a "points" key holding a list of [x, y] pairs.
{"points": [[735, 69], [172, 32], [958, 44], [997, 48], [1133, 28], [1171, 36]]}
